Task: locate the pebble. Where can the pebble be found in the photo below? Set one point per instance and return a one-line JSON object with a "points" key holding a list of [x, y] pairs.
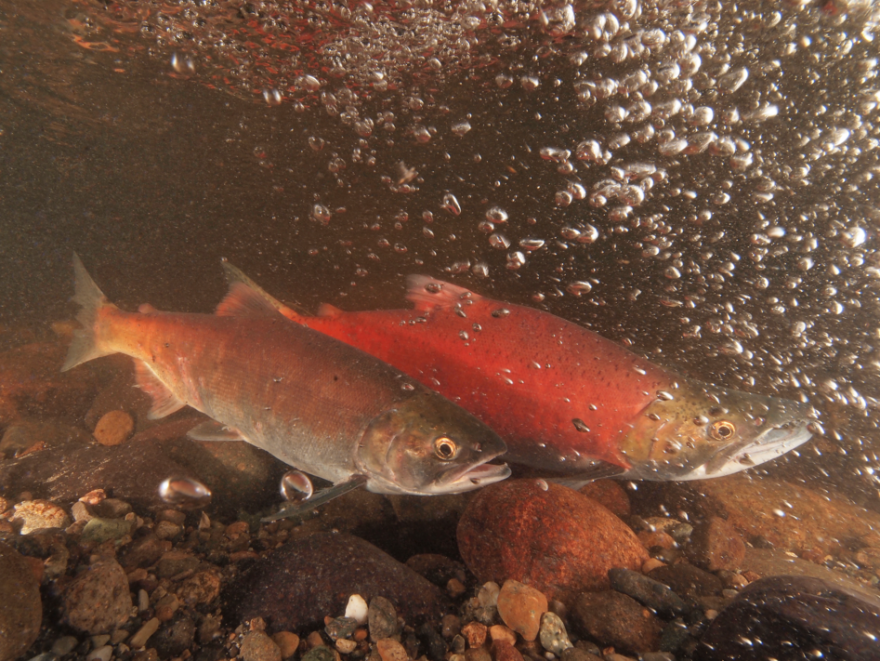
{"points": [[98, 600], [143, 634], [203, 587], [647, 591], [114, 428], [391, 650], [553, 636], [346, 645], [287, 642], [37, 514], [475, 633], [578, 654], [450, 626], [476, 654], [501, 634], [100, 654], [505, 651], [652, 564], [319, 653], [357, 609], [257, 646], [715, 545], [521, 607], [340, 627], [565, 542], [175, 562], [98, 530], [615, 619], [21, 609], [381, 619], [64, 645], [167, 530]]}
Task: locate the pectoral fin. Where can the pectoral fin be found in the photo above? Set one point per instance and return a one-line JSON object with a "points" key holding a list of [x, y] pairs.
{"points": [[165, 402], [291, 510]]}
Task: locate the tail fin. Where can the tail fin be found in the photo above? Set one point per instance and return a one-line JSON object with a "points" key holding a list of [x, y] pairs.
{"points": [[91, 299]]}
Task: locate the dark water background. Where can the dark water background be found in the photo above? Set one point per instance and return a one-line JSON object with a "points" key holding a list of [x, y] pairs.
{"points": [[154, 138]]}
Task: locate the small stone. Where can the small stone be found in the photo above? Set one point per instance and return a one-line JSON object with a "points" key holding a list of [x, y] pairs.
{"points": [[716, 545], [114, 428], [578, 654], [475, 654], [167, 530], [521, 607], [209, 629], [37, 514], [64, 645], [382, 619], [176, 517], [319, 653], [488, 594], [346, 645], [174, 563], [118, 636], [143, 634], [287, 642], [688, 581], [98, 600], [98, 530], [455, 588], [475, 632], [390, 650], [450, 626], [80, 512], [505, 651], [173, 639], [203, 587], [257, 646], [112, 508], [615, 619], [100, 640], [340, 627], [647, 591], [651, 564], [357, 609], [501, 634], [554, 637], [652, 539], [101, 654]]}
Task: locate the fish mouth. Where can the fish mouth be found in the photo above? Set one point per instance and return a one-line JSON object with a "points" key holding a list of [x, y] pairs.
{"points": [[769, 445], [469, 478]]}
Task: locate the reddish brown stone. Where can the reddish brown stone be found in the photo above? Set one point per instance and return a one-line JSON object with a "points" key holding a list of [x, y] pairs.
{"points": [[521, 607], [656, 538], [114, 428], [504, 651], [610, 494], [615, 619], [553, 539], [716, 545]]}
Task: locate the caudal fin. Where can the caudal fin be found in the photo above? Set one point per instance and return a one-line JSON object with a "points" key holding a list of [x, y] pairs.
{"points": [[91, 299]]}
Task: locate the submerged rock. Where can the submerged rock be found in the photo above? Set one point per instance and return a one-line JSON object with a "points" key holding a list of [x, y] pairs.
{"points": [[790, 617], [615, 619], [21, 609], [306, 579], [546, 535], [715, 544], [521, 607], [98, 600]]}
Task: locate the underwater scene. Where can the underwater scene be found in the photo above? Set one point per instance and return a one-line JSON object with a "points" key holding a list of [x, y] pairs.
{"points": [[435, 330]]}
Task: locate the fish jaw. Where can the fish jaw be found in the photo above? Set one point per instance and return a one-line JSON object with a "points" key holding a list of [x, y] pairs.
{"points": [[697, 431], [427, 445]]}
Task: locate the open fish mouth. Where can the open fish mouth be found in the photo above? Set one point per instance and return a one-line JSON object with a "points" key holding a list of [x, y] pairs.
{"points": [[769, 445], [469, 478]]}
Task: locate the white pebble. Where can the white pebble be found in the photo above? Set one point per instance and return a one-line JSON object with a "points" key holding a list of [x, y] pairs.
{"points": [[101, 654], [356, 609]]}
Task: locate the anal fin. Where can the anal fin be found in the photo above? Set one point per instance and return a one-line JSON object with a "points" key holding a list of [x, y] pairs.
{"points": [[211, 430], [165, 402]]}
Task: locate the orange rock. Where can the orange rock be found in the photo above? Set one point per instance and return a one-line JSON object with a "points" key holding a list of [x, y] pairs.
{"points": [[288, 643], [504, 651], [475, 632], [521, 608], [501, 634], [716, 545], [652, 538], [610, 494], [114, 428], [390, 650], [556, 540]]}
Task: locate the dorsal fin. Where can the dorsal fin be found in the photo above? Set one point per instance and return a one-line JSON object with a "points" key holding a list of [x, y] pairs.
{"points": [[327, 310], [244, 301], [165, 402], [235, 276], [428, 293]]}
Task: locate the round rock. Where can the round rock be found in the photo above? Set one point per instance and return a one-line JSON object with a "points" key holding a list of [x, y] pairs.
{"points": [[550, 537], [98, 600], [114, 428]]}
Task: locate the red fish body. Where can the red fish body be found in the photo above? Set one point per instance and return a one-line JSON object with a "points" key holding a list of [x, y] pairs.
{"points": [[564, 398]]}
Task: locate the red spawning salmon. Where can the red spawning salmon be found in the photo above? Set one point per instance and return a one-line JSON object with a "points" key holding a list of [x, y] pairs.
{"points": [[564, 398], [322, 406]]}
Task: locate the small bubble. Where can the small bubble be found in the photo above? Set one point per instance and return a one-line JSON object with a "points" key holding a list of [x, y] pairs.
{"points": [[499, 241], [461, 128], [272, 97], [515, 260], [450, 204], [496, 215], [177, 490], [579, 288], [321, 214], [296, 487]]}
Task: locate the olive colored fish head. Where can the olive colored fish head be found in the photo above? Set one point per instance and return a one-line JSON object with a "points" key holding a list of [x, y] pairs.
{"points": [[696, 431], [428, 446]]}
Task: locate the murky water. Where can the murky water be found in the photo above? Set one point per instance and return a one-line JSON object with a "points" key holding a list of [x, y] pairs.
{"points": [[695, 180]]}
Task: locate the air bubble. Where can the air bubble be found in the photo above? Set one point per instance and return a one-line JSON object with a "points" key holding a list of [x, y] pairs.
{"points": [[579, 288], [496, 215], [499, 241], [461, 128], [515, 260], [450, 204]]}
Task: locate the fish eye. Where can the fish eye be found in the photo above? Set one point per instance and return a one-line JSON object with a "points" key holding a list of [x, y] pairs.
{"points": [[723, 430], [445, 448]]}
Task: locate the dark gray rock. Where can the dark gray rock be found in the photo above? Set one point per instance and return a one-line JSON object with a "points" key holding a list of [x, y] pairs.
{"points": [[688, 581], [647, 591], [614, 619], [306, 579], [794, 619], [381, 619]]}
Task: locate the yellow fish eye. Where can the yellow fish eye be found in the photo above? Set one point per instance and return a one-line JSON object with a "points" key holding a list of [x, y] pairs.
{"points": [[445, 448], [722, 430]]}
